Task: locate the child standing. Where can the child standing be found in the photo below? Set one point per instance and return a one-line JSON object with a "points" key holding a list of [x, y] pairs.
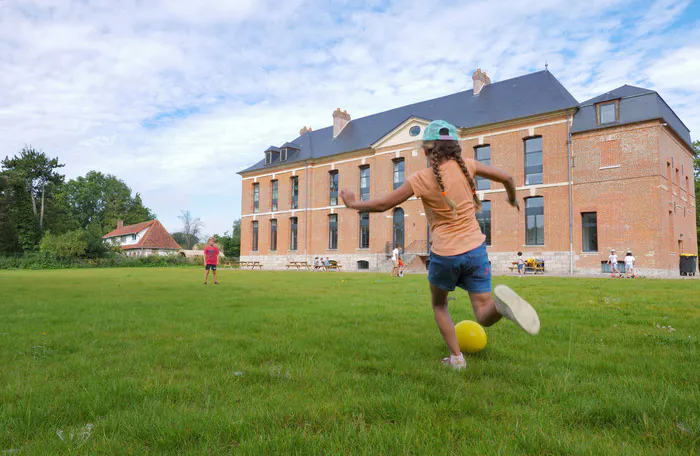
{"points": [[458, 255], [612, 261], [521, 264], [211, 259], [395, 261], [629, 265]]}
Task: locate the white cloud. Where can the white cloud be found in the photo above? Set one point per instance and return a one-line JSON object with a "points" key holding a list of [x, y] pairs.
{"points": [[174, 97]]}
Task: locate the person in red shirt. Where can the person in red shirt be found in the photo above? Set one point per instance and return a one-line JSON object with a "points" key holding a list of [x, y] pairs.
{"points": [[211, 259]]}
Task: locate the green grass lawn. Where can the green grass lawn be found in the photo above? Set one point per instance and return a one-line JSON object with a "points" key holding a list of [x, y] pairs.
{"points": [[137, 361]]}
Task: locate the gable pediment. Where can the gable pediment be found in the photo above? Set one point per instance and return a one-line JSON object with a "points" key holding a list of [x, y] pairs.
{"points": [[409, 131]]}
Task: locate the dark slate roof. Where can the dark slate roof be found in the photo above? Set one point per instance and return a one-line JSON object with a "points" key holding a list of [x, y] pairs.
{"points": [[636, 105], [528, 95], [272, 148]]}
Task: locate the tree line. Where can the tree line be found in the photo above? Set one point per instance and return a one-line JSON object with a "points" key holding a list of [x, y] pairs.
{"points": [[40, 210]]}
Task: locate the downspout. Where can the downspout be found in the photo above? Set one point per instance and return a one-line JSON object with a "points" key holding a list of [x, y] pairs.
{"points": [[306, 214], [571, 198]]}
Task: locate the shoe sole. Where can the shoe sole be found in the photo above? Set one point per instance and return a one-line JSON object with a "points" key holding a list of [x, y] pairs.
{"points": [[524, 315]]}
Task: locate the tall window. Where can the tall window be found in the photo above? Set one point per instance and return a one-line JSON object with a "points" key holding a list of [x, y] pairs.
{"points": [[256, 197], [482, 154], [484, 219], [295, 192], [534, 221], [293, 223], [607, 113], [364, 183], [273, 234], [254, 247], [533, 161], [398, 232], [333, 231], [589, 227], [268, 158], [399, 165], [274, 195], [364, 230], [333, 175], [283, 154]]}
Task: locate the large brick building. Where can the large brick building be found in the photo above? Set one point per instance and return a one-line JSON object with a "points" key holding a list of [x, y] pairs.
{"points": [[615, 171]]}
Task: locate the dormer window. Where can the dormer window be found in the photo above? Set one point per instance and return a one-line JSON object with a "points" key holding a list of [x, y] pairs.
{"points": [[268, 157], [607, 112], [283, 154]]}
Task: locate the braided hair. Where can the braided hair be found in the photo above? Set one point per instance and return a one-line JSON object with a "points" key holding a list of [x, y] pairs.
{"points": [[449, 150]]}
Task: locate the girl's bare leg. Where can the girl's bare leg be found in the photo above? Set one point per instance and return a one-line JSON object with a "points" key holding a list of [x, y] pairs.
{"points": [[484, 308], [443, 319]]}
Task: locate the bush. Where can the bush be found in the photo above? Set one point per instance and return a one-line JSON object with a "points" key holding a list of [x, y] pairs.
{"points": [[48, 260], [66, 245]]}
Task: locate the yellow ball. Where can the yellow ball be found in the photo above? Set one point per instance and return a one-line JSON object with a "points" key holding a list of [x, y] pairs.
{"points": [[471, 336]]}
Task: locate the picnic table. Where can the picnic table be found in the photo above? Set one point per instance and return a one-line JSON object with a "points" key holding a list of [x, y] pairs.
{"points": [[535, 268], [251, 264], [298, 265], [332, 266]]}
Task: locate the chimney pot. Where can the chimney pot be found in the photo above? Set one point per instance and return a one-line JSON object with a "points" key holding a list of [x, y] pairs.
{"points": [[304, 130]]}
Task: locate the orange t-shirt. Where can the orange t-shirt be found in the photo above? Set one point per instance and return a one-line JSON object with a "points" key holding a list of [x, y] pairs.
{"points": [[451, 234]]}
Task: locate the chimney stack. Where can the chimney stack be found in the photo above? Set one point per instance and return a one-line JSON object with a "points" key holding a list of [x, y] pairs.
{"points": [[340, 120], [480, 80], [303, 131], [120, 224]]}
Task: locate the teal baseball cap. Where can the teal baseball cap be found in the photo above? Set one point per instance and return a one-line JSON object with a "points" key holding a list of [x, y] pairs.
{"points": [[440, 130]]}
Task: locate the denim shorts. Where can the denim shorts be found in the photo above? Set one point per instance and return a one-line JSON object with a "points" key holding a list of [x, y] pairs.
{"points": [[470, 271]]}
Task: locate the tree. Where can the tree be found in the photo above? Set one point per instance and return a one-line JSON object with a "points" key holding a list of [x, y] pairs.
{"points": [[103, 199], [9, 241], [37, 170], [231, 243], [29, 185], [191, 229], [186, 241]]}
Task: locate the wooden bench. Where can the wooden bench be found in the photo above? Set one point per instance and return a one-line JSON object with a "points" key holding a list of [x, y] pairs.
{"points": [[298, 265], [251, 264]]}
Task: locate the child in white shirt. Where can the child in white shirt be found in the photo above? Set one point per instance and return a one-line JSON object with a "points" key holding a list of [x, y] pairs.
{"points": [[629, 265], [612, 261]]}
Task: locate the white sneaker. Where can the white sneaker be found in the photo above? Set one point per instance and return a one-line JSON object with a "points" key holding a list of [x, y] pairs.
{"points": [[455, 362], [516, 309]]}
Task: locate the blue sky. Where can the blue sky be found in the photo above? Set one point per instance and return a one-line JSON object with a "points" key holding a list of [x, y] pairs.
{"points": [[174, 97]]}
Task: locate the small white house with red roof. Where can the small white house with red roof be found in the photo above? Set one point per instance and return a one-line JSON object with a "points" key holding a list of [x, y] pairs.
{"points": [[146, 238]]}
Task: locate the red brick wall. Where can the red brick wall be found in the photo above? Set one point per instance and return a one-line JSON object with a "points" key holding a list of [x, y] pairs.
{"points": [[628, 196], [620, 173]]}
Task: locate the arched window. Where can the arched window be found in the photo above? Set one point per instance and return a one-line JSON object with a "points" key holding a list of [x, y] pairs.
{"points": [[398, 227]]}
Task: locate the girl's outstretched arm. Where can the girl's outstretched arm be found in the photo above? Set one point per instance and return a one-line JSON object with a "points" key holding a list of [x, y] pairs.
{"points": [[381, 204], [498, 175]]}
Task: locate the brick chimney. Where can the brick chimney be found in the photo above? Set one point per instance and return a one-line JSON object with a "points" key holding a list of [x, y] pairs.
{"points": [[305, 130], [340, 120], [120, 224], [480, 80]]}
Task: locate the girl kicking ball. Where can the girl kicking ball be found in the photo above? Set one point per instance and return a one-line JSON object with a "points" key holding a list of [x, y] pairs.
{"points": [[458, 255]]}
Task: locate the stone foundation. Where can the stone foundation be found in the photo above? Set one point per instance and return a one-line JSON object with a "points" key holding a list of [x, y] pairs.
{"points": [[556, 263], [377, 262]]}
